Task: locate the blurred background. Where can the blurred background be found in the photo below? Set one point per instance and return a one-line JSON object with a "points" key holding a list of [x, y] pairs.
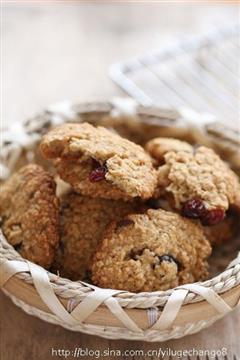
{"points": [[54, 51]]}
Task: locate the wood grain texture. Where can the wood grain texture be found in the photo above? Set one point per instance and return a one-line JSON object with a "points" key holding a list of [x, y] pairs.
{"points": [[56, 52]]}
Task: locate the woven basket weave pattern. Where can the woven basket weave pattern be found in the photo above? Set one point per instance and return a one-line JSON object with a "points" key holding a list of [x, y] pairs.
{"points": [[81, 302]]}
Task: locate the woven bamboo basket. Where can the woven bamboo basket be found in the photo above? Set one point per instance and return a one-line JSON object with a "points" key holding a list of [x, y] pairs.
{"points": [[79, 306]]}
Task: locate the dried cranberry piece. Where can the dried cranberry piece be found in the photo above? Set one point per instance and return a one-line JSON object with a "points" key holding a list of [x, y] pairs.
{"points": [[124, 222], [168, 258], [98, 173], [213, 217], [194, 209]]}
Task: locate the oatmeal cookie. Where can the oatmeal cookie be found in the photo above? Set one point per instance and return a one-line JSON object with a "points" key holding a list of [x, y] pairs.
{"points": [[29, 213], [158, 147], [99, 163], [157, 250], [216, 234], [83, 220], [222, 232], [197, 182]]}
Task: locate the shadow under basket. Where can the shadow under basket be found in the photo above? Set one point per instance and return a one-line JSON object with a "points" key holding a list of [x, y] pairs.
{"points": [[79, 306]]}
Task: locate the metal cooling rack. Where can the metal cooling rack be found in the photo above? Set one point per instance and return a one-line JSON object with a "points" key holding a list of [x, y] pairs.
{"points": [[197, 72]]}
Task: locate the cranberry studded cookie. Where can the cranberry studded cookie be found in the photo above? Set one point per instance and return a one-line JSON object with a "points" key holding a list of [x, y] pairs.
{"points": [[157, 250], [29, 213], [195, 180], [83, 221], [216, 234], [99, 163]]}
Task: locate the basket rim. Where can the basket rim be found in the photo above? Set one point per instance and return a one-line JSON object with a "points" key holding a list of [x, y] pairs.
{"points": [[221, 283]]}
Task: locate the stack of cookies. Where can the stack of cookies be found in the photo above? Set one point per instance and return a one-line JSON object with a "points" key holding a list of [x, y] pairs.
{"points": [[128, 218]]}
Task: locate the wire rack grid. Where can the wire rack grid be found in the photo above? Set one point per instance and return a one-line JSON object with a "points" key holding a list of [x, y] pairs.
{"points": [[197, 72]]}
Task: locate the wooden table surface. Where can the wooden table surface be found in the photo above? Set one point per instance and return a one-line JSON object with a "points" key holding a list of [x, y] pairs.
{"points": [[53, 52]]}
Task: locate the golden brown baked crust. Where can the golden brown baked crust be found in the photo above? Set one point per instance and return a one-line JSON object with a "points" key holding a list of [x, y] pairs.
{"points": [[29, 211], [158, 147], [153, 251], [195, 178], [99, 163], [200, 174], [83, 221]]}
